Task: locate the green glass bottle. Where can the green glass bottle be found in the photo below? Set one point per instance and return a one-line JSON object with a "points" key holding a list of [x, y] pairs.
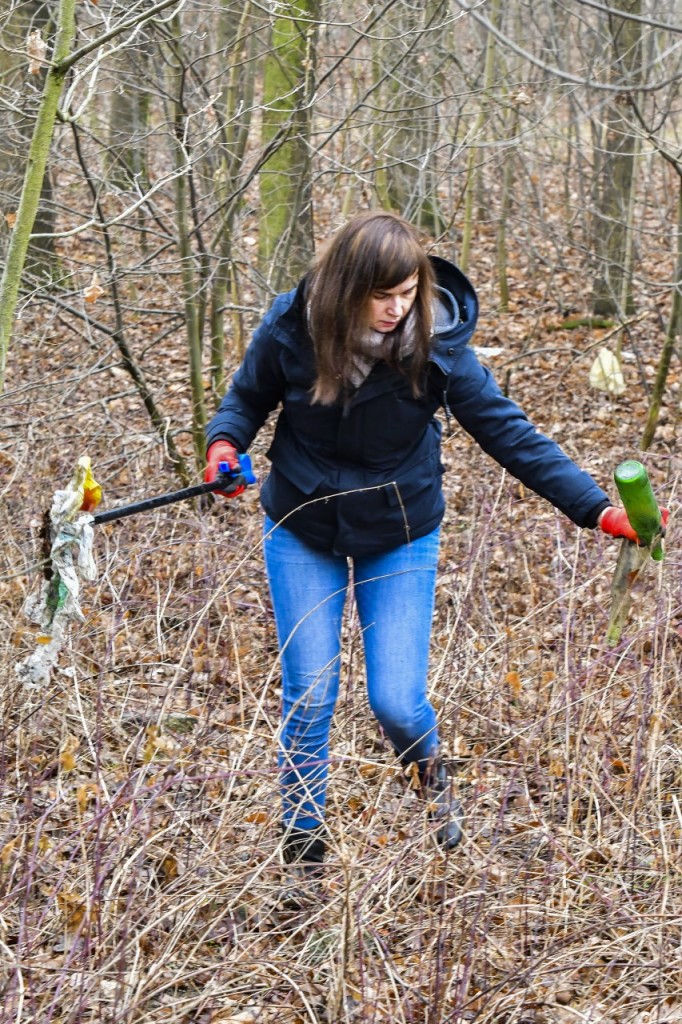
{"points": [[640, 504]]}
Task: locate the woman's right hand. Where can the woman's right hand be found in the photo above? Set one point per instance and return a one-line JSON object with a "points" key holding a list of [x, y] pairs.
{"points": [[222, 451]]}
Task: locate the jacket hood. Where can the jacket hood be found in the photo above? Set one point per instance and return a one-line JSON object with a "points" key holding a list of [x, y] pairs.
{"points": [[456, 312], [445, 311]]}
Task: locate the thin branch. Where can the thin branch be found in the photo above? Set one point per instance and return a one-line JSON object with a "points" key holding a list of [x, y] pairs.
{"points": [[674, 161], [555, 71], [626, 16], [65, 65]]}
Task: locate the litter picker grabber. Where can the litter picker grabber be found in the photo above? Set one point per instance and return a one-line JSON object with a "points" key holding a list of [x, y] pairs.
{"points": [[645, 518], [68, 538], [228, 481]]}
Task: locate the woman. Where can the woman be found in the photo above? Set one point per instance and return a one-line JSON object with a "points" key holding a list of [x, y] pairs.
{"points": [[361, 356]]}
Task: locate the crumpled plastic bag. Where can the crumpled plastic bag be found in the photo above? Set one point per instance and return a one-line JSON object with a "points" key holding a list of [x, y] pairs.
{"points": [[71, 558], [606, 374]]}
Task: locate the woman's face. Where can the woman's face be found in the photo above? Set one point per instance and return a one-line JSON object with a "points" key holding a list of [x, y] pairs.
{"points": [[387, 308]]}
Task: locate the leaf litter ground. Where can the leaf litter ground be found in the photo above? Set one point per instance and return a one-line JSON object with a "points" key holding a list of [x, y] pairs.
{"points": [[140, 864]]}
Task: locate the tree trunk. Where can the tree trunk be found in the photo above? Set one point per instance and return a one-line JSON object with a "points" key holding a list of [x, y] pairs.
{"points": [[612, 292], [129, 119], [33, 179], [190, 286], [238, 42], [28, 17], [471, 187], [672, 333], [407, 179], [286, 224]]}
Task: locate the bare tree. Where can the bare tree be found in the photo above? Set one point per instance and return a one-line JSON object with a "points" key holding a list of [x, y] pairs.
{"points": [[616, 168], [286, 235], [26, 31]]}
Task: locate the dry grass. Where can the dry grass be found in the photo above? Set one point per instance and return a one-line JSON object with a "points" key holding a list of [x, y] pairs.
{"points": [[141, 870]]}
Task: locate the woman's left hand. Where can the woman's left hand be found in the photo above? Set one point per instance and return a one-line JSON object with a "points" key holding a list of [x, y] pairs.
{"points": [[614, 522]]}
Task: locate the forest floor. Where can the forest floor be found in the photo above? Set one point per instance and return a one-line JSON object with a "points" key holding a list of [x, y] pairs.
{"points": [[140, 860]]}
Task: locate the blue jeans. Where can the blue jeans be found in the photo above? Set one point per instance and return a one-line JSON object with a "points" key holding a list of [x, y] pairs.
{"points": [[394, 593]]}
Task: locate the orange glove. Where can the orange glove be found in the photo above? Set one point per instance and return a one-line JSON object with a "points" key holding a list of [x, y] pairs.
{"points": [[222, 451], [615, 522]]}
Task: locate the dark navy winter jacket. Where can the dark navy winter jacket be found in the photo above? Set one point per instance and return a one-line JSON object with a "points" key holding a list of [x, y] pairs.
{"points": [[363, 476]]}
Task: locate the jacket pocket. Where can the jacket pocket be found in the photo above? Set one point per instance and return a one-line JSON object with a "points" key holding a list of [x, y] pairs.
{"points": [[425, 476], [291, 460]]}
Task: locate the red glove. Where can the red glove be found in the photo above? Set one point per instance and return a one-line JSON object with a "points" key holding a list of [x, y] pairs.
{"points": [[222, 451], [615, 522]]}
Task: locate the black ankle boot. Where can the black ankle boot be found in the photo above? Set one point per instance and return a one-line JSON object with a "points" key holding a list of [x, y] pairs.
{"points": [[305, 848], [437, 789]]}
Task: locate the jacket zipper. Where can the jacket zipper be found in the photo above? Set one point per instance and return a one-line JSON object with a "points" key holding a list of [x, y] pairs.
{"points": [[448, 414]]}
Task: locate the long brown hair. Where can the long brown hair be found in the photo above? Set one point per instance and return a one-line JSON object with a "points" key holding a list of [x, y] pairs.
{"points": [[373, 252]]}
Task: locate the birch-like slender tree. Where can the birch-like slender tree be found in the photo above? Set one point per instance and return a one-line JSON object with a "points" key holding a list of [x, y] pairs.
{"points": [[286, 219], [61, 60], [34, 177], [26, 31]]}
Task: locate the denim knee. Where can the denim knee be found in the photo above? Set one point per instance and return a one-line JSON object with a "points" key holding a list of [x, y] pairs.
{"points": [[411, 726]]}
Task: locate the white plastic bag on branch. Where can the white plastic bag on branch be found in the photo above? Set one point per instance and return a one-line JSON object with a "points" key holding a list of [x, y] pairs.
{"points": [[606, 374], [70, 560]]}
